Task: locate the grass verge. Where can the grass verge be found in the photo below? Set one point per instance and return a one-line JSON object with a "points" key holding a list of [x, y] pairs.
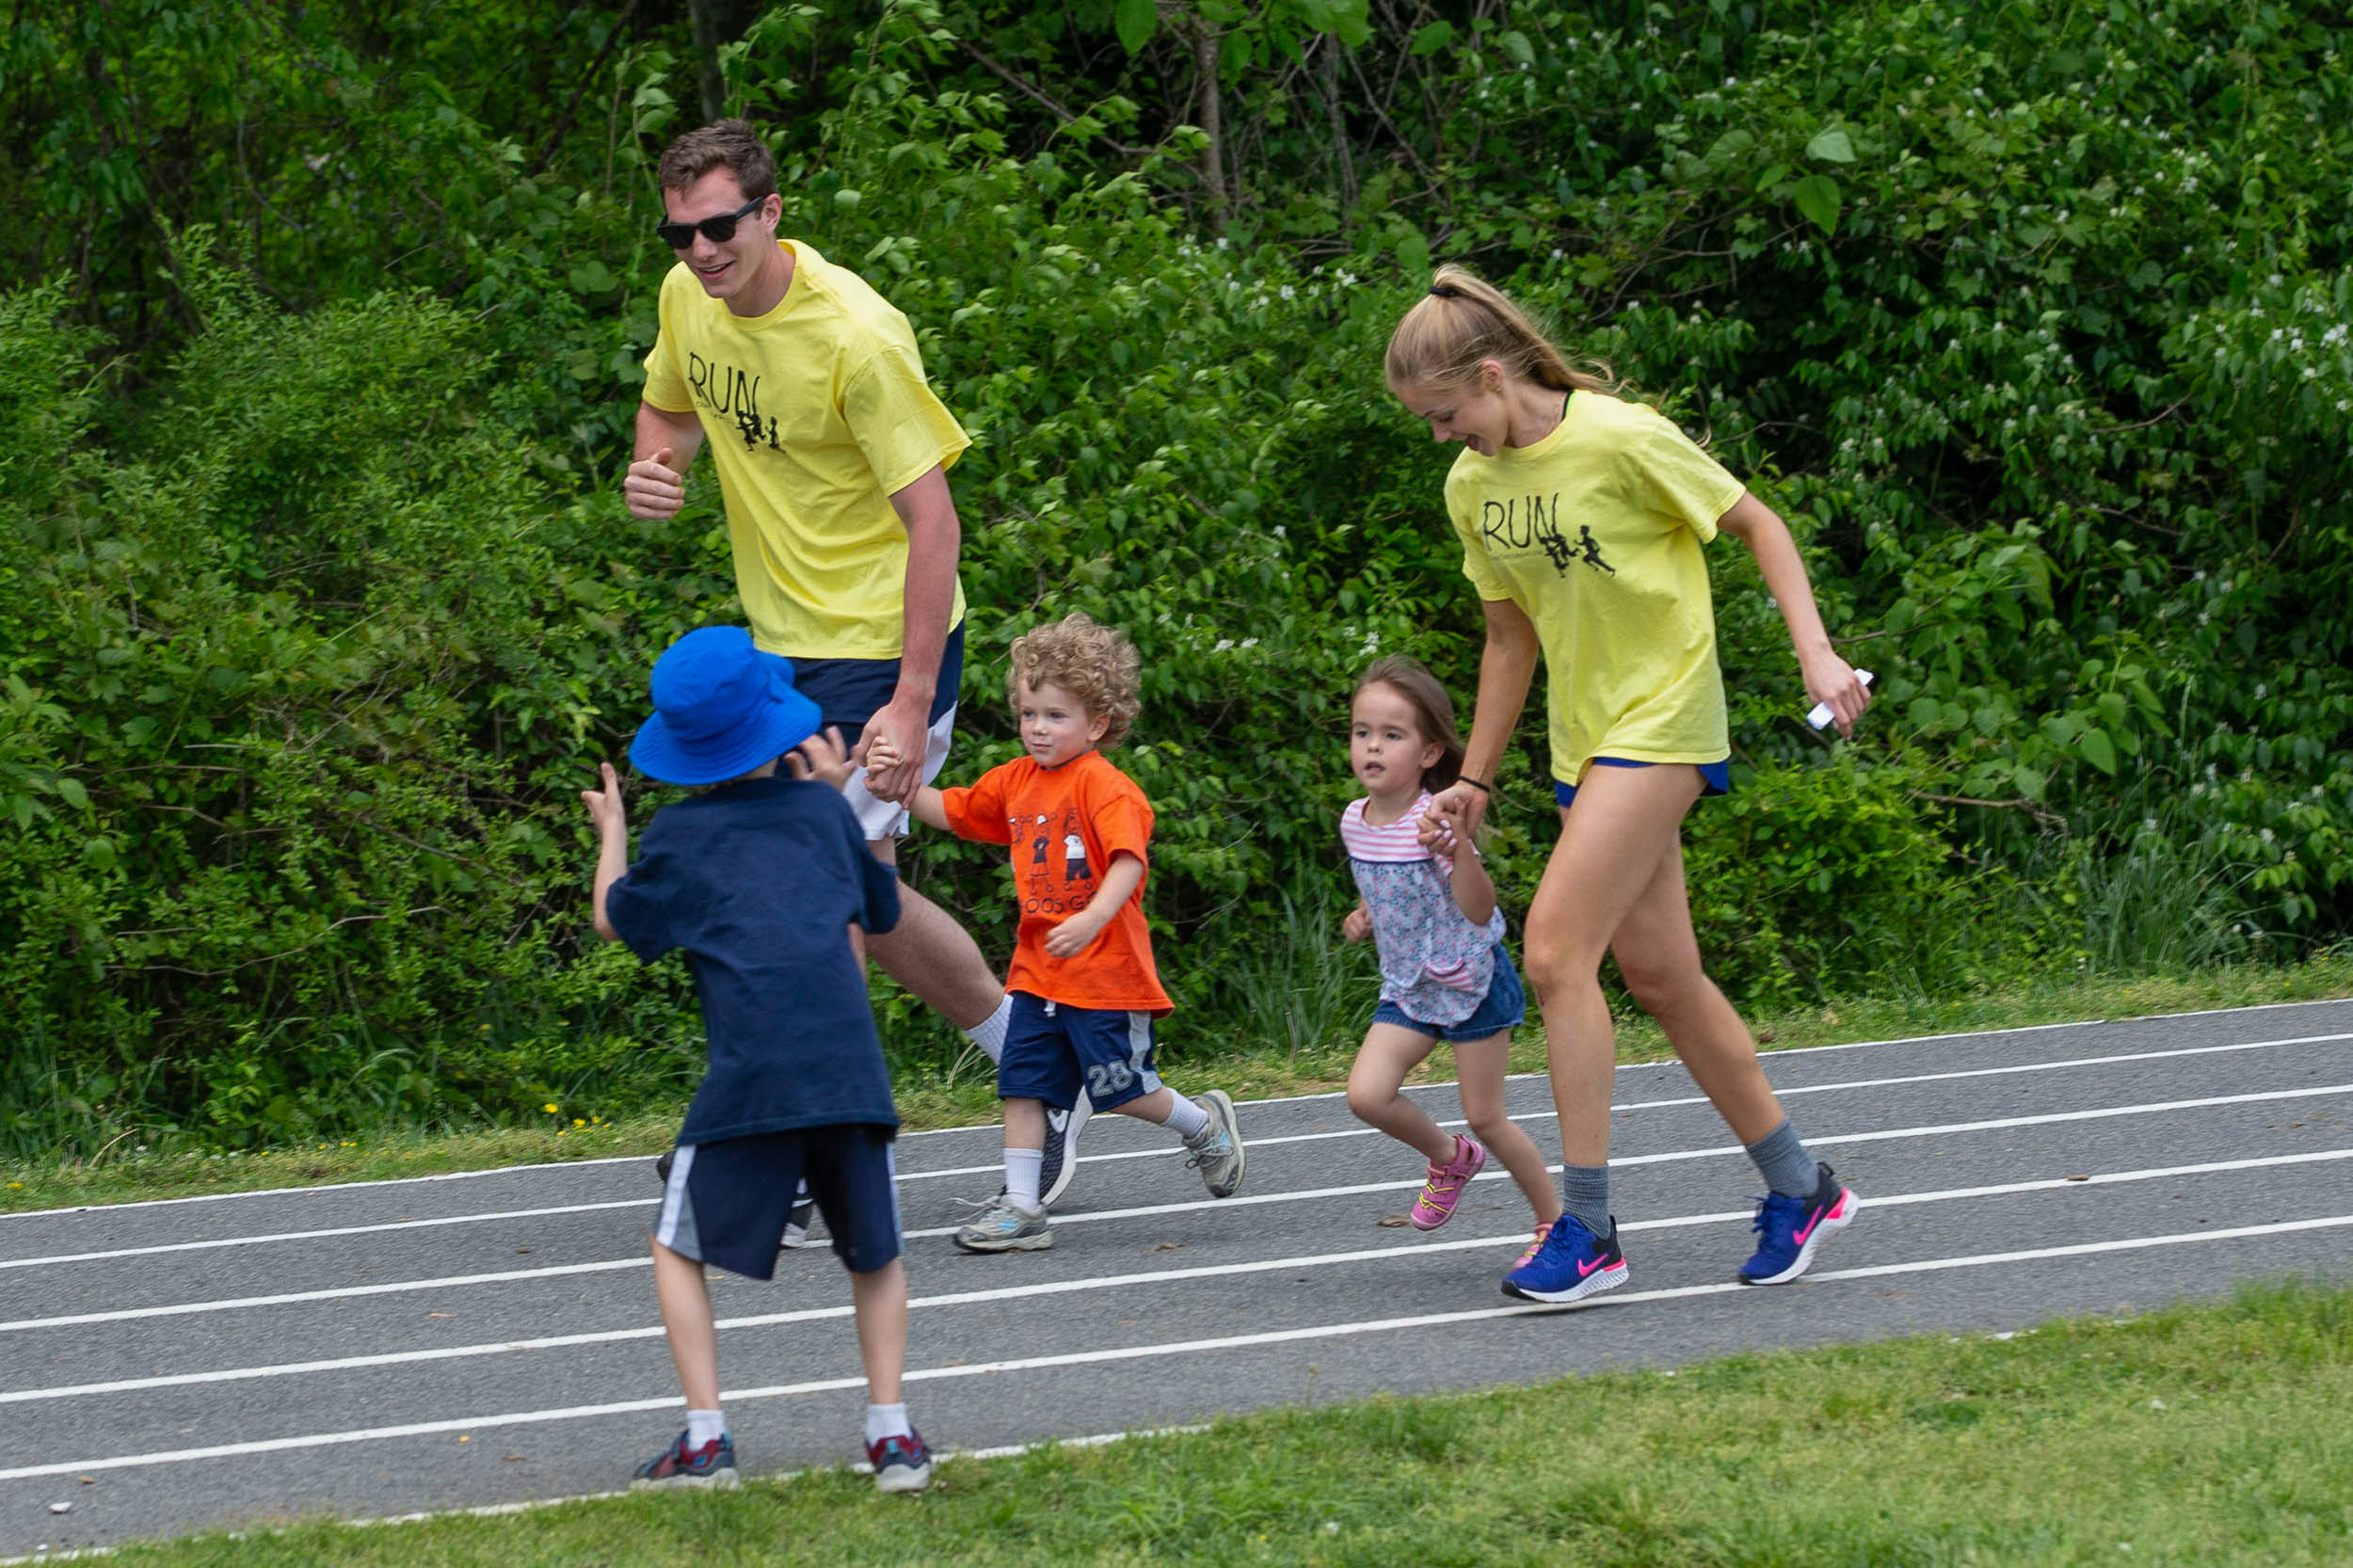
{"points": [[2216, 1434], [130, 1176]]}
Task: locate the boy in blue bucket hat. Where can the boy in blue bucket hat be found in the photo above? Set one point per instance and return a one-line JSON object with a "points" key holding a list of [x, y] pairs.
{"points": [[757, 878]]}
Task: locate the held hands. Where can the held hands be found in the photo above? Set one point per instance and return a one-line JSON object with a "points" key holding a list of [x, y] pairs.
{"points": [[1357, 924], [1832, 681], [822, 758], [604, 806], [893, 751], [878, 755], [652, 489], [1452, 819]]}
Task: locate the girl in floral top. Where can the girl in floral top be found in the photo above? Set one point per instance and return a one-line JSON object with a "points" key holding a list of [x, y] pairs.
{"points": [[1444, 973]]}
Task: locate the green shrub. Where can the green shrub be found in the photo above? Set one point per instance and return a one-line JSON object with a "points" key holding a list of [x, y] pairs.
{"points": [[320, 608]]}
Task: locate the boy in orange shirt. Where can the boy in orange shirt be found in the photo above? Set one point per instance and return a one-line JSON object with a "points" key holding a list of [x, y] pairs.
{"points": [[1085, 989]]}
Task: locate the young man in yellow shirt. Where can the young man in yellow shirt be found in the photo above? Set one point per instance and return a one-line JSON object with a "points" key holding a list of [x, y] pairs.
{"points": [[832, 454]]}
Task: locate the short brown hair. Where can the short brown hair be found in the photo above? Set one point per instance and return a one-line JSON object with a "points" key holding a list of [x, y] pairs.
{"points": [[1091, 662], [730, 144], [1434, 713]]}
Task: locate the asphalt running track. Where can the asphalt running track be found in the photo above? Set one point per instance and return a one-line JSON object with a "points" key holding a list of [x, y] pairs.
{"points": [[382, 1349]]}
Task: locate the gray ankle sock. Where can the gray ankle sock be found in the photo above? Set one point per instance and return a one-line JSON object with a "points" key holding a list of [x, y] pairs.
{"points": [[1585, 1193], [1787, 1167]]}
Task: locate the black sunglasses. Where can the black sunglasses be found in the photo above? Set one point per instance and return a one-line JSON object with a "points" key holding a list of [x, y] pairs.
{"points": [[718, 229]]}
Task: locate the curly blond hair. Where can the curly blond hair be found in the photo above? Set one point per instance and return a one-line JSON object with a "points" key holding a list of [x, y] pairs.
{"points": [[1093, 663]]}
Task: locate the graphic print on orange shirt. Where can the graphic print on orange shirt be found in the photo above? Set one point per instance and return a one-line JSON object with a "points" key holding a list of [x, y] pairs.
{"points": [[1062, 825]]}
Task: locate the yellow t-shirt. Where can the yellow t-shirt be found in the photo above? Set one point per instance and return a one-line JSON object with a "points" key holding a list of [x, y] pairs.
{"points": [[815, 414], [1596, 533]]}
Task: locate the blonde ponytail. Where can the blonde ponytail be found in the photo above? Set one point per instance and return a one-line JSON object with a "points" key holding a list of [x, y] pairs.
{"points": [[1465, 319]]}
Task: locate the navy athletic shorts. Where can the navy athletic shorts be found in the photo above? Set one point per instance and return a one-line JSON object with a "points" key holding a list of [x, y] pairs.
{"points": [[727, 1201], [1714, 777], [1052, 1050]]}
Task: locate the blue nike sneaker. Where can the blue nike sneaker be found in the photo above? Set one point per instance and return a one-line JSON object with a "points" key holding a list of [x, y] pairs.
{"points": [[1571, 1264], [1790, 1228]]}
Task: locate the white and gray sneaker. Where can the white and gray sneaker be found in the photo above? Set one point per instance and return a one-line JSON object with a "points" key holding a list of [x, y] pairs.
{"points": [[804, 1214], [1062, 1149], [1005, 1227], [1217, 1151]]}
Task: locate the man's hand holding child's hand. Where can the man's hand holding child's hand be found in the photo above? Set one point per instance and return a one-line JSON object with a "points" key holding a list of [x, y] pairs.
{"points": [[822, 758], [879, 756]]}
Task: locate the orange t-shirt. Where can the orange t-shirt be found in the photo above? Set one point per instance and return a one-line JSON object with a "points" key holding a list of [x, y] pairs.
{"points": [[1064, 825]]}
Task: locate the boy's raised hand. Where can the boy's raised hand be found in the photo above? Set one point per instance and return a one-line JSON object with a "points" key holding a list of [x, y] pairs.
{"points": [[822, 758], [604, 806]]}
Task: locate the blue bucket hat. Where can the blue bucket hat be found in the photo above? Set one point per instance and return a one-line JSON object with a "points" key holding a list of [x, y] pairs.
{"points": [[721, 709]]}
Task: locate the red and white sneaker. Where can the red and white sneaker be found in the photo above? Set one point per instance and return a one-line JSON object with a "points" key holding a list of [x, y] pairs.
{"points": [[902, 1464]]}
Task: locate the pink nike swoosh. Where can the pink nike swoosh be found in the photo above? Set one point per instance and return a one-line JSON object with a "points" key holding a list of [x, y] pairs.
{"points": [[1818, 1220], [1584, 1269]]}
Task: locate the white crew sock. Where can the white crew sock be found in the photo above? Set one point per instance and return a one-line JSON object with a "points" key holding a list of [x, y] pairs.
{"points": [[886, 1420], [1185, 1118], [704, 1425], [990, 1033], [1023, 1168]]}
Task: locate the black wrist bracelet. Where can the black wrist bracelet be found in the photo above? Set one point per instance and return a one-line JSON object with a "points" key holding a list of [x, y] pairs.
{"points": [[1476, 785]]}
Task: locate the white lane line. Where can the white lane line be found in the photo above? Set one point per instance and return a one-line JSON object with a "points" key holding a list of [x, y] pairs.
{"points": [[1140, 1352], [1172, 1150], [1190, 1206], [1993, 1125], [1112, 1282], [181, 1309], [1279, 1099], [647, 1202], [1679, 1100]]}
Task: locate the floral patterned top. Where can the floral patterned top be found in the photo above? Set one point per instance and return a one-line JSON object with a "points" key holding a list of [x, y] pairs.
{"points": [[1436, 964]]}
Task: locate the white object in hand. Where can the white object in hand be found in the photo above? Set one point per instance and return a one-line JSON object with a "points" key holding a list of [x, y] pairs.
{"points": [[1821, 714]]}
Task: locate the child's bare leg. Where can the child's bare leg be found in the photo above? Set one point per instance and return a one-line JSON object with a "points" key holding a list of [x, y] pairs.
{"points": [[1025, 1124], [1478, 1066], [678, 1285], [1389, 1052], [880, 1300]]}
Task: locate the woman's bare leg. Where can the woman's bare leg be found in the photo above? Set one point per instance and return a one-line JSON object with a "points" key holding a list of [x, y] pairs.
{"points": [[1660, 959], [1613, 839]]}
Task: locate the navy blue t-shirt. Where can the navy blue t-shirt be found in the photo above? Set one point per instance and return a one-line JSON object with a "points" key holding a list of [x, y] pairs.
{"points": [[759, 883]]}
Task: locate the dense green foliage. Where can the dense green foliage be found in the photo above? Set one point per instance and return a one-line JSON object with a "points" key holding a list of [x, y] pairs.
{"points": [[320, 604]]}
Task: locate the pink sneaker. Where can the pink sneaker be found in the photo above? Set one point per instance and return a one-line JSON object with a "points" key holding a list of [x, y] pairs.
{"points": [[1444, 1189], [1535, 1245]]}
